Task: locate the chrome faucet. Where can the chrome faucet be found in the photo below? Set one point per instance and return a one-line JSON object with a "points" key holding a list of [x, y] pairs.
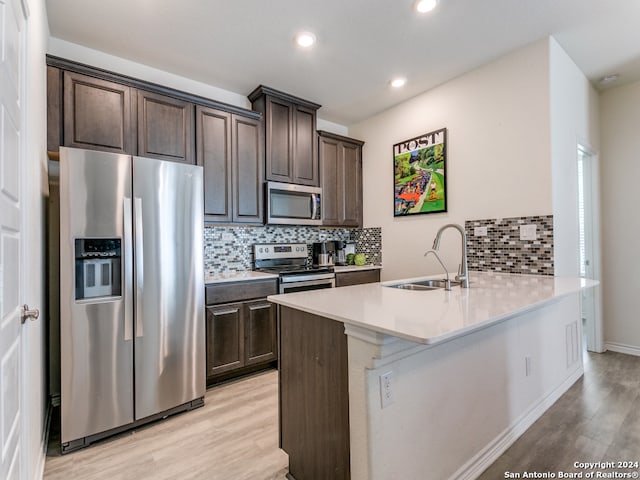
{"points": [[448, 281], [463, 271]]}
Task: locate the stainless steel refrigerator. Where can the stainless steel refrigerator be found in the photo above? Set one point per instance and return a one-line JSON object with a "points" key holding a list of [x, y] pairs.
{"points": [[132, 331]]}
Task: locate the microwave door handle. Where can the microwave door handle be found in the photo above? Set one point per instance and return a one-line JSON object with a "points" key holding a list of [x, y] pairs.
{"points": [[314, 206]]}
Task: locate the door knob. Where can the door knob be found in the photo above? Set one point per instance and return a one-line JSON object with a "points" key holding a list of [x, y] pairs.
{"points": [[33, 314]]}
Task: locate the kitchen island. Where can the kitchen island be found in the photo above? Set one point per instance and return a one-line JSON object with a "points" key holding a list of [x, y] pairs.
{"points": [[378, 382]]}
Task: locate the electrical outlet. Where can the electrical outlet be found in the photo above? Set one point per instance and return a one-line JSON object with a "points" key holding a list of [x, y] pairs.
{"points": [[480, 232], [386, 389], [528, 232], [227, 237]]}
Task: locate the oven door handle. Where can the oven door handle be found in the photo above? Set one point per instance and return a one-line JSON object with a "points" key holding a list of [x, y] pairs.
{"points": [[310, 283], [309, 277]]}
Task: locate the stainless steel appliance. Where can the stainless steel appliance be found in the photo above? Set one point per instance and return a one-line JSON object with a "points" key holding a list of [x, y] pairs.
{"points": [[350, 247], [341, 255], [290, 204], [323, 253], [290, 261], [131, 292]]}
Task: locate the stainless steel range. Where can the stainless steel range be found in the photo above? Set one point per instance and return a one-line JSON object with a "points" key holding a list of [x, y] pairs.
{"points": [[292, 264]]}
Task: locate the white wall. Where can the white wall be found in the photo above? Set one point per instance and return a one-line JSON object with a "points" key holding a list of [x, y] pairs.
{"points": [[36, 191], [574, 120], [620, 160], [498, 162]]}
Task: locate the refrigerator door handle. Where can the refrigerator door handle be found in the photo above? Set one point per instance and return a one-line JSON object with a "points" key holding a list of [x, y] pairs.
{"points": [[128, 270], [139, 264]]}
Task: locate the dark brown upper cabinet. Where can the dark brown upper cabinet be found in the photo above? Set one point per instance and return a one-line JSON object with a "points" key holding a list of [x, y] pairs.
{"points": [[213, 134], [341, 179], [290, 136], [98, 114], [165, 127], [247, 159], [229, 147]]}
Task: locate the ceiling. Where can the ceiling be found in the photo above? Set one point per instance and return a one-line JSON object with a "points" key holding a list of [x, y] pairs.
{"points": [[361, 44]]}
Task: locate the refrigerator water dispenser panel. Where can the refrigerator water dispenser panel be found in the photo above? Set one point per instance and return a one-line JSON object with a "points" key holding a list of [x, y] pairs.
{"points": [[98, 268]]}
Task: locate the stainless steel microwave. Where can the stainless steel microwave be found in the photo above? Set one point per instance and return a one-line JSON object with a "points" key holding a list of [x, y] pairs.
{"points": [[289, 204]]}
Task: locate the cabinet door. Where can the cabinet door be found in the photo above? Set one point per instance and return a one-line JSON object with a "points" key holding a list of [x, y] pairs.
{"points": [[213, 147], [278, 126], [225, 338], [305, 152], [331, 190], [54, 109], [98, 115], [165, 128], [260, 332], [248, 160], [351, 184]]}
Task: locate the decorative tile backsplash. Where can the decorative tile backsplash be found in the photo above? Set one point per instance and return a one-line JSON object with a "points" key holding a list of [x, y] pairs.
{"points": [[501, 250], [230, 248], [369, 242]]}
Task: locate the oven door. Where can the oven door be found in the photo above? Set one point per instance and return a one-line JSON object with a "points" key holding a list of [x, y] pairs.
{"points": [[302, 286]]}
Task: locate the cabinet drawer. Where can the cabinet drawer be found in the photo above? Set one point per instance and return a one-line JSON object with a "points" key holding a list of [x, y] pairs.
{"points": [[357, 278], [238, 291]]}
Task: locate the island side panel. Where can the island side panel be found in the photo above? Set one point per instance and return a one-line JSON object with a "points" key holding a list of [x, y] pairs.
{"points": [[314, 396], [458, 405]]}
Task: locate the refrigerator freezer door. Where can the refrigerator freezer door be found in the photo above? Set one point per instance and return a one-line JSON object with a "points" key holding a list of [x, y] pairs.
{"points": [[95, 295], [169, 273]]}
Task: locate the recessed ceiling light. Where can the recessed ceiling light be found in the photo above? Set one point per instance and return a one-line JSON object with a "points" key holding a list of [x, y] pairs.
{"points": [[424, 6], [398, 82], [612, 77], [305, 39]]}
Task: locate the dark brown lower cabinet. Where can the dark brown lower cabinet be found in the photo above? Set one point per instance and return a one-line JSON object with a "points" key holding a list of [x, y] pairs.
{"points": [[314, 396], [357, 277], [225, 338], [260, 342], [241, 335]]}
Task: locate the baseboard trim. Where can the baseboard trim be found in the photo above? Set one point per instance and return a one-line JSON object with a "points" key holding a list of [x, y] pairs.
{"points": [[489, 454], [622, 348], [39, 470]]}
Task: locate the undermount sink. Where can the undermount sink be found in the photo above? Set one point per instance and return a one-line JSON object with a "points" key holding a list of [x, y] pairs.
{"points": [[431, 284]]}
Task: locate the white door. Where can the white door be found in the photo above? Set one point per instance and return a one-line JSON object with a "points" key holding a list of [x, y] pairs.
{"points": [[587, 217], [12, 158]]}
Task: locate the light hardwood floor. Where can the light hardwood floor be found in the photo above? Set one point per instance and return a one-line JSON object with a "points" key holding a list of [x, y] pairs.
{"points": [[235, 435], [596, 420]]}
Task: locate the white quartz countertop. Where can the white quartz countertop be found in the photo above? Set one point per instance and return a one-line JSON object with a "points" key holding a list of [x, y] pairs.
{"points": [[242, 276], [434, 316], [355, 268]]}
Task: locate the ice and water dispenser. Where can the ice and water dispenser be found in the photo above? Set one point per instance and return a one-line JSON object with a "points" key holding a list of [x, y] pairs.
{"points": [[98, 267]]}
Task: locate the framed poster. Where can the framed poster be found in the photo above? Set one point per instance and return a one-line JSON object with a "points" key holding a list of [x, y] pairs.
{"points": [[419, 174]]}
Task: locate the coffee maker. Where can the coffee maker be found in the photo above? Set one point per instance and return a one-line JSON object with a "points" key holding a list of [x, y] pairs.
{"points": [[324, 254], [341, 252]]}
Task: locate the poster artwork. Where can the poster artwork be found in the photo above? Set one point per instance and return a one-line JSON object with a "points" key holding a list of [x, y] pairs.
{"points": [[419, 174]]}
